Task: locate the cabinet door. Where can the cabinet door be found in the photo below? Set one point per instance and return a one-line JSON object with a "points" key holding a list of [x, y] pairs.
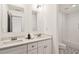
{"points": [[15, 50], [47, 47], [40, 47], [44, 47], [32, 48], [34, 51], [40, 50]]}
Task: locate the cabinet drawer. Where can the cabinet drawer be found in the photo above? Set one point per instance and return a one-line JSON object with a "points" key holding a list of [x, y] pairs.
{"points": [[47, 42], [32, 46], [41, 43], [44, 43]]}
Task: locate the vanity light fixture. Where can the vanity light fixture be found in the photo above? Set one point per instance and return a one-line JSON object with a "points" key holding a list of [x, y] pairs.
{"points": [[37, 7]]}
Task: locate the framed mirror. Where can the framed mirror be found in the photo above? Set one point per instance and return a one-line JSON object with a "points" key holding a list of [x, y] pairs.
{"points": [[13, 20], [16, 18]]}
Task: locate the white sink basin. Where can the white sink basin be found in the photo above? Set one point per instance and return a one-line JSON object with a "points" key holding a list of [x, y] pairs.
{"points": [[11, 42]]}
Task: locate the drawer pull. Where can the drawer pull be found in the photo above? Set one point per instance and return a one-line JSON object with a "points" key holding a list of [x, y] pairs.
{"points": [[45, 46], [32, 46]]}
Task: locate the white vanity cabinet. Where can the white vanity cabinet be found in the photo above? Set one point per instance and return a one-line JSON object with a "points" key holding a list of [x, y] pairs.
{"points": [[40, 47], [22, 49], [32, 48], [44, 47], [35, 47]]}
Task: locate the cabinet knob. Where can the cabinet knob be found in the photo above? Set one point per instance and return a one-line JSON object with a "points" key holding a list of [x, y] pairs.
{"points": [[32, 46], [45, 46]]}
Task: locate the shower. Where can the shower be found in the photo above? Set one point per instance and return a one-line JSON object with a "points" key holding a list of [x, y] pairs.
{"points": [[68, 27]]}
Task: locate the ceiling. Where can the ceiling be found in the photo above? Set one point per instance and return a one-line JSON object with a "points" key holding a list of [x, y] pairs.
{"points": [[69, 8]]}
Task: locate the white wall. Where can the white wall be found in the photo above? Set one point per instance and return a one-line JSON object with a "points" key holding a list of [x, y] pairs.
{"points": [[4, 18], [28, 18], [73, 27], [51, 25], [48, 23], [0, 17], [40, 20], [62, 26], [34, 15]]}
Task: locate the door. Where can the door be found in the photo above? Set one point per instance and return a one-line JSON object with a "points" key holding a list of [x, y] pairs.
{"points": [[32, 48], [44, 47], [47, 47], [15, 50], [40, 47]]}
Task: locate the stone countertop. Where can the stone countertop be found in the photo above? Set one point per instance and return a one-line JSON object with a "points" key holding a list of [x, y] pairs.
{"points": [[21, 41]]}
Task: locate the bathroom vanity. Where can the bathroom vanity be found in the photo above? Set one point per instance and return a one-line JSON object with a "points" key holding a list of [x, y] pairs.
{"points": [[22, 19], [38, 45]]}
